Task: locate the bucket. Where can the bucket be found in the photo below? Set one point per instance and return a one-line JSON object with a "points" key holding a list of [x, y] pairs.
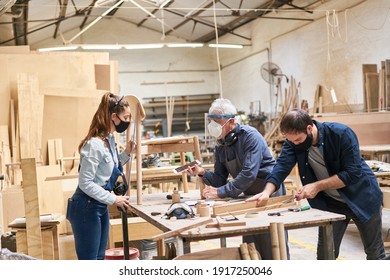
{"points": [[118, 254]]}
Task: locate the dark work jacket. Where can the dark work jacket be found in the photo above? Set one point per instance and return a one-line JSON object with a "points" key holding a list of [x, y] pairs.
{"points": [[251, 151], [342, 158]]}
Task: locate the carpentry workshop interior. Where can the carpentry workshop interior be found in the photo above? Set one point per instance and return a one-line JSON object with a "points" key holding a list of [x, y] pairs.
{"points": [[169, 60]]}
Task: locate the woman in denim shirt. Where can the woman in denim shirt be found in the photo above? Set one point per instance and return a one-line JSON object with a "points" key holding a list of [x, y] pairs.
{"points": [[335, 178], [100, 167]]}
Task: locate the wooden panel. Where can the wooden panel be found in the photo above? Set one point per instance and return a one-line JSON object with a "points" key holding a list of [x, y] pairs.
{"points": [[13, 205], [367, 68], [49, 243], [138, 229], [365, 125], [30, 108], [387, 84], [372, 91], [14, 49], [5, 91], [31, 203], [102, 77], [73, 115]]}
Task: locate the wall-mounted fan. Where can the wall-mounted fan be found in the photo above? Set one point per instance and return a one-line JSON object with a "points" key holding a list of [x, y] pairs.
{"points": [[271, 73]]}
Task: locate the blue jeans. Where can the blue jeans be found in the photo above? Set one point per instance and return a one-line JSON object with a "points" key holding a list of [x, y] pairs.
{"points": [[90, 225], [370, 232]]}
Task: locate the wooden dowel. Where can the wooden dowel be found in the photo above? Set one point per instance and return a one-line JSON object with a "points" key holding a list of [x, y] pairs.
{"points": [[253, 252], [282, 241], [244, 251], [274, 241]]}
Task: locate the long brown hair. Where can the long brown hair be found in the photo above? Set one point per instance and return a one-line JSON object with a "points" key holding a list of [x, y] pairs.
{"points": [[101, 121]]}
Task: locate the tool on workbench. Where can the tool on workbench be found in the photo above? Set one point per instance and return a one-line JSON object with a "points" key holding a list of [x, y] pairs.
{"points": [[180, 211], [295, 209]]}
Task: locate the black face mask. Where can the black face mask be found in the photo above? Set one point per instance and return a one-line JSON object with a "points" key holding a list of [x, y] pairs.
{"points": [[305, 144], [122, 126]]}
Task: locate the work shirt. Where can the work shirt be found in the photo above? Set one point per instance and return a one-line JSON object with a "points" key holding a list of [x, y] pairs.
{"points": [[96, 165], [342, 158], [252, 152]]}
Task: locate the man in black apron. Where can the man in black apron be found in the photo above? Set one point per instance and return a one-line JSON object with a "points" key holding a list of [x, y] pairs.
{"points": [[242, 153]]}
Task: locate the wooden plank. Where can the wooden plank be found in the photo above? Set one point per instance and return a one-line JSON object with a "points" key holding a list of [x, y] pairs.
{"points": [[102, 77], [31, 203], [30, 109], [387, 84], [51, 152], [280, 201], [364, 125], [139, 229], [179, 230], [367, 68], [372, 91], [12, 130]]}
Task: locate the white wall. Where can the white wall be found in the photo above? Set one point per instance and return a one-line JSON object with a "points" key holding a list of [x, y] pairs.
{"points": [[300, 48]]}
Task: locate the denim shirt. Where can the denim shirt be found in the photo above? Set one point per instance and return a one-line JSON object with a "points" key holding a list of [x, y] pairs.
{"points": [[96, 165], [254, 155], [342, 158]]}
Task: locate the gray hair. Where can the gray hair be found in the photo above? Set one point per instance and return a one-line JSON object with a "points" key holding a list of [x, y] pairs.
{"points": [[222, 106]]}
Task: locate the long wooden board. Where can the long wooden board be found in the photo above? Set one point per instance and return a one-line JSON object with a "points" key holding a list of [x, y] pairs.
{"points": [[244, 207]]}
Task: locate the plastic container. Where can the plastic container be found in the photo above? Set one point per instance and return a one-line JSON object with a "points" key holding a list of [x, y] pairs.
{"points": [[118, 254]]}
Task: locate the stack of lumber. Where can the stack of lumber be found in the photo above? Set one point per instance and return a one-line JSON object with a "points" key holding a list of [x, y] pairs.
{"points": [[291, 100], [48, 100], [376, 86]]}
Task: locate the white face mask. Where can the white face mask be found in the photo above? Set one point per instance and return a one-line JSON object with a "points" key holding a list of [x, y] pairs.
{"points": [[215, 129]]}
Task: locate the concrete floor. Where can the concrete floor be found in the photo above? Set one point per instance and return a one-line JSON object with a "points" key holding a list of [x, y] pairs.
{"points": [[303, 242]]}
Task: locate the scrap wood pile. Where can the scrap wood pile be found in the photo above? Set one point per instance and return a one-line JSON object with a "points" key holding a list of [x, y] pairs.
{"points": [[291, 98], [376, 86]]}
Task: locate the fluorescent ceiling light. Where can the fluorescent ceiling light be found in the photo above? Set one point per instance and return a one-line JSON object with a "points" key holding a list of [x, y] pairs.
{"points": [[65, 48], [143, 46], [226, 46], [185, 45], [101, 47], [101, 3], [164, 3]]}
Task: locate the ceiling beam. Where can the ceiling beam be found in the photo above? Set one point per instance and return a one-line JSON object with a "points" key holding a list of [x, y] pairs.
{"points": [[61, 15], [242, 20]]}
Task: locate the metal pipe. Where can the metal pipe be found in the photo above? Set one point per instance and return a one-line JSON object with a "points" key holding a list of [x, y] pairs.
{"points": [[95, 21]]}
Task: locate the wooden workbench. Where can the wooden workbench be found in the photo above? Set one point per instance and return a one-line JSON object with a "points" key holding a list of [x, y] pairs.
{"points": [[260, 224]]}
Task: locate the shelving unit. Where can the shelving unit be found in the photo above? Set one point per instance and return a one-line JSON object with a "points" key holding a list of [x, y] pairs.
{"points": [[190, 108]]}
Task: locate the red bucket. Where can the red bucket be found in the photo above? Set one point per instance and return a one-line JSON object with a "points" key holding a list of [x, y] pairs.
{"points": [[118, 254]]}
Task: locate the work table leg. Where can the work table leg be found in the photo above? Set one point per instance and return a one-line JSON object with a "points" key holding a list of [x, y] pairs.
{"points": [[328, 241]]}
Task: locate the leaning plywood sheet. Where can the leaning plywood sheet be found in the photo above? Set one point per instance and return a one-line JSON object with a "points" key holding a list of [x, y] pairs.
{"points": [[78, 111], [14, 49], [31, 203], [387, 84], [30, 108], [367, 68], [5, 92], [54, 71], [372, 91]]}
